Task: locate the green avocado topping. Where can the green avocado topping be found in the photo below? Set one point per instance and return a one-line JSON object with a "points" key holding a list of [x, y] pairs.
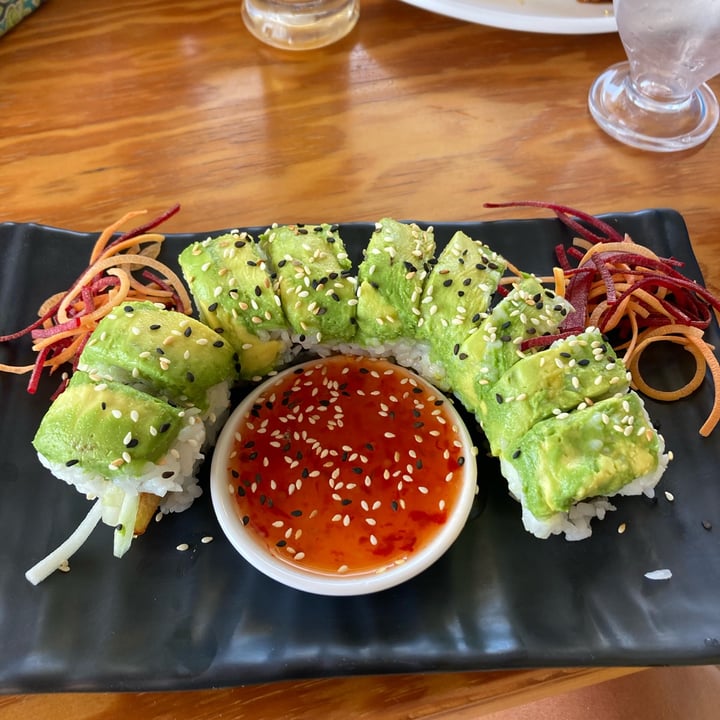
{"points": [[315, 281], [108, 428], [235, 294], [169, 354], [391, 278], [591, 452], [573, 372]]}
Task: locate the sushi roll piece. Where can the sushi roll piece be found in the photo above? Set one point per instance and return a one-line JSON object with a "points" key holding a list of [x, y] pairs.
{"points": [[118, 444], [475, 365], [234, 291], [564, 469], [391, 278], [165, 353], [455, 299], [573, 373], [315, 283]]}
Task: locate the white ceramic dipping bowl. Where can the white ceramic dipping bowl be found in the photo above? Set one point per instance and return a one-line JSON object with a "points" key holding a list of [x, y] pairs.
{"points": [[351, 440]]}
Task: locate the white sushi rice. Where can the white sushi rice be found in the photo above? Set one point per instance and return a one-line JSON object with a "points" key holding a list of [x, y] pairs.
{"points": [[218, 402]]}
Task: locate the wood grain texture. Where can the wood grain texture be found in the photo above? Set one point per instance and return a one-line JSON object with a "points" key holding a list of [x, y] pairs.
{"points": [[114, 105], [460, 696]]}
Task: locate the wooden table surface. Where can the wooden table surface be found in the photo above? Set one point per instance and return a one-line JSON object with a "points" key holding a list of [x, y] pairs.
{"points": [[124, 104]]}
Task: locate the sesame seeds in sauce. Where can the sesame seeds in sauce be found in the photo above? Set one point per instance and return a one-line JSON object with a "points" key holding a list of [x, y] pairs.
{"points": [[346, 502]]}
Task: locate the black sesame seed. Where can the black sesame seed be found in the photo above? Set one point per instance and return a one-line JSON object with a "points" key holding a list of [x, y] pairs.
{"points": [[164, 427], [516, 454], [461, 460], [258, 291], [476, 318], [505, 338], [467, 281], [133, 442], [565, 354], [583, 362], [245, 520], [456, 348], [499, 398], [72, 462], [447, 283], [168, 474], [155, 326], [506, 325], [129, 309], [190, 377], [281, 543], [394, 505], [357, 470], [213, 307], [188, 331], [159, 351], [218, 343], [296, 513], [346, 501], [463, 356], [241, 491]]}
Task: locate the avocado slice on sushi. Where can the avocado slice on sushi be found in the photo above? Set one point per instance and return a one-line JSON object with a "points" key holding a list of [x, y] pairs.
{"points": [[107, 429], [315, 282], [455, 299], [602, 450], [528, 310], [573, 372], [235, 295], [391, 278], [163, 352], [116, 443]]}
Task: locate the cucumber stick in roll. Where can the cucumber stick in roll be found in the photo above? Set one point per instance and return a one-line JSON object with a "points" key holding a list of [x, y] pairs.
{"points": [[114, 442]]}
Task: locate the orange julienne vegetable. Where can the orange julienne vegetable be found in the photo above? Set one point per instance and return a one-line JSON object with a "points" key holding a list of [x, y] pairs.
{"points": [[120, 269], [626, 289]]}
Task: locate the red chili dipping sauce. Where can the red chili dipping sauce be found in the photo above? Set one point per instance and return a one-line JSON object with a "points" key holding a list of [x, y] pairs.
{"points": [[346, 465]]}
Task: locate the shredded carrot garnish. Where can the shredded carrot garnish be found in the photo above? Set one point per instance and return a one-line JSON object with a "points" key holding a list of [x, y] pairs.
{"points": [[120, 269], [639, 298]]}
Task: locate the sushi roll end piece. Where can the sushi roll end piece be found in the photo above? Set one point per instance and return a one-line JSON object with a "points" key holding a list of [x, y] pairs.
{"points": [[564, 468]]}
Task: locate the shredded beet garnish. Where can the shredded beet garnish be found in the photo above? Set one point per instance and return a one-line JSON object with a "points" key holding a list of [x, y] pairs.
{"points": [[113, 275], [629, 292]]}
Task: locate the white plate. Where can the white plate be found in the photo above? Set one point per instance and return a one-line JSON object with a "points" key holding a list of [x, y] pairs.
{"points": [[567, 17]]}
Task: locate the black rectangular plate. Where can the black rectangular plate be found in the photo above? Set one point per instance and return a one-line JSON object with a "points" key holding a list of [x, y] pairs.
{"points": [[162, 619]]}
